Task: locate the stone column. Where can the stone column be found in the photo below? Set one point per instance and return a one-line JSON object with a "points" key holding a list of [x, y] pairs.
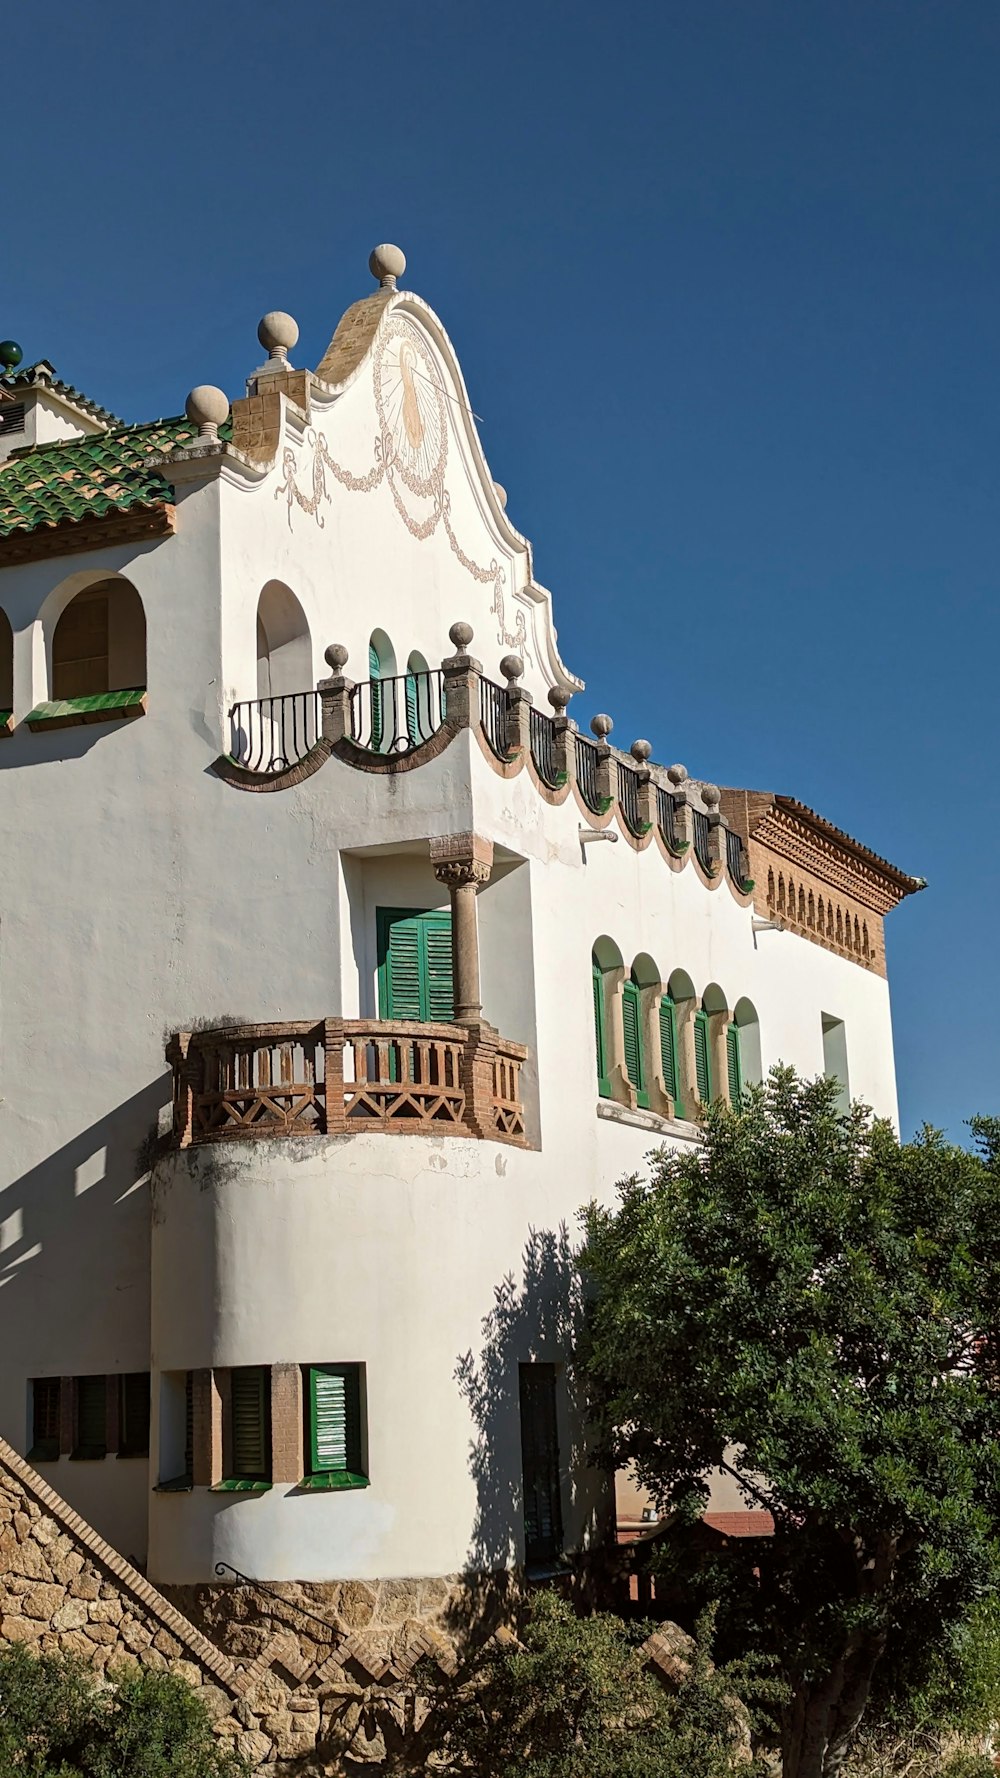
{"points": [[716, 829], [335, 695], [461, 673], [563, 728], [462, 862], [518, 707]]}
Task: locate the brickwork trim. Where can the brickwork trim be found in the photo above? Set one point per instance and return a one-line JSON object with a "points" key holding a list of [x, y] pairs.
{"points": [[205, 1653]]}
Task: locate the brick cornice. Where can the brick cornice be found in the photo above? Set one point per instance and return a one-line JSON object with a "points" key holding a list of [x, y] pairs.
{"points": [[135, 525], [791, 837]]}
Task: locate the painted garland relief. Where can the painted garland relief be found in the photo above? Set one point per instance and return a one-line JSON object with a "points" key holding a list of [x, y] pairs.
{"points": [[410, 454]]}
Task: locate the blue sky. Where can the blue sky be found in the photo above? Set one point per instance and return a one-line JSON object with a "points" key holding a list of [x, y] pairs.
{"points": [[723, 280]]}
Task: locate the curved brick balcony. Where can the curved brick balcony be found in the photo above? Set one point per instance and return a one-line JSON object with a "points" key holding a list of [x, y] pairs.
{"points": [[242, 1082]]}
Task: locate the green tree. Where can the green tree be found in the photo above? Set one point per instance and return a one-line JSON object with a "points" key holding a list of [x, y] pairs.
{"points": [[814, 1305], [58, 1719], [575, 1698]]}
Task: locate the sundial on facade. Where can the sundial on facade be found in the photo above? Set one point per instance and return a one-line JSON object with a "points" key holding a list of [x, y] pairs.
{"points": [[411, 408]]}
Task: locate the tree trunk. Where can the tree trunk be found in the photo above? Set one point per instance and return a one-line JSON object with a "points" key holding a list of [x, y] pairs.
{"points": [[821, 1722]]}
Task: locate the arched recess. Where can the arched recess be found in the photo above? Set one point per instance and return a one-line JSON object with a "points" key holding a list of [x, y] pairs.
{"points": [[98, 643], [6, 669], [639, 994], [381, 666], [747, 1025], [710, 1052], [607, 971], [419, 720], [284, 645]]}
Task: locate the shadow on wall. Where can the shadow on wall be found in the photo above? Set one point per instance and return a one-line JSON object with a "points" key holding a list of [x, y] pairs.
{"points": [[74, 1255], [539, 1320]]}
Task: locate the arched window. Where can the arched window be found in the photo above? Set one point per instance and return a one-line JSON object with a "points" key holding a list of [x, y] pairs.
{"points": [[669, 1057], [707, 1031], [6, 671], [606, 963], [99, 642], [746, 1027], [284, 647], [381, 666], [676, 1009], [419, 726], [637, 1007]]}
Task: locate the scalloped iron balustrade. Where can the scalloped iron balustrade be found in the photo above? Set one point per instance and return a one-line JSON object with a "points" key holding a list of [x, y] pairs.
{"points": [[272, 734], [543, 749], [493, 716], [396, 714], [665, 818], [628, 798], [699, 822], [587, 761]]}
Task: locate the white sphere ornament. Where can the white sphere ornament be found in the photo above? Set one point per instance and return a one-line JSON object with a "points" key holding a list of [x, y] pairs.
{"points": [[278, 333], [387, 263], [207, 407]]}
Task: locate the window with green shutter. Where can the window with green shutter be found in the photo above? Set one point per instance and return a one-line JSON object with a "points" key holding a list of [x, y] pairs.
{"points": [[734, 1064], [669, 1061], [91, 1438], [332, 1397], [702, 1056], [600, 1031], [133, 1414], [375, 674], [46, 1399], [414, 965], [635, 1061], [250, 1414], [543, 1536]]}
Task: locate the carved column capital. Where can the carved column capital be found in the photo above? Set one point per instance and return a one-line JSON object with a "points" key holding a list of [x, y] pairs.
{"points": [[462, 858], [458, 873]]}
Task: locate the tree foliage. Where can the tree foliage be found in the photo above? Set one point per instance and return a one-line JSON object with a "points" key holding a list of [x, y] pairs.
{"points": [[575, 1698], [814, 1304], [59, 1719]]}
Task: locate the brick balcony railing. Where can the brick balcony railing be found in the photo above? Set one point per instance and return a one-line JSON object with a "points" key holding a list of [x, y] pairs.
{"points": [[344, 1075]]}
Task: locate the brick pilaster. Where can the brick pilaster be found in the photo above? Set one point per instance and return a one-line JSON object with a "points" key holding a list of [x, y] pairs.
{"points": [[207, 1435], [286, 1423]]}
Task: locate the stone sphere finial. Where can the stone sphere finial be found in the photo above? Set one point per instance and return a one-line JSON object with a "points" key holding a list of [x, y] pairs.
{"points": [[710, 796], [207, 407], [278, 333], [387, 263], [512, 667], [640, 751], [601, 726], [336, 655], [461, 635], [559, 697], [10, 354], [677, 774], [501, 494]]}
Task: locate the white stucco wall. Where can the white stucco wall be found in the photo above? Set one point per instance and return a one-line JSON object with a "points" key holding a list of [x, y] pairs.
{"points": [[139, 893]]}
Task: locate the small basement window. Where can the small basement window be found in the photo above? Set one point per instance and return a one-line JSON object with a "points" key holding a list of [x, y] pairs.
{"points": [[334, 1445]]}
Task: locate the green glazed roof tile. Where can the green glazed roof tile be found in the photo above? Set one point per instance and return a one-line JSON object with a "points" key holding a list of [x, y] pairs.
{"points": [[42, 375], [80, 478]]}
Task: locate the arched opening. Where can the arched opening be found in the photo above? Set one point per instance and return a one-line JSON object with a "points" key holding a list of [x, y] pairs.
{"points": [[6, 670], [710, 1024], [747, 1028], [419, 721], [637, 994], [677, 1011], [284, 646], [381, 666], [99, 642], [606, 969]]}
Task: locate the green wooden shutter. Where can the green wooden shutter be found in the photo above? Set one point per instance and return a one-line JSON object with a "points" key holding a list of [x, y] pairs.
{"points": [[600, 1038], [374, 675], [249, 1421], [412, 710], [734, 1064], [414, 965], [632, 1037], [668, 1053], [133, 1432], [702, 1057], [91, 1417], [335, 1419], [540, 1462]]}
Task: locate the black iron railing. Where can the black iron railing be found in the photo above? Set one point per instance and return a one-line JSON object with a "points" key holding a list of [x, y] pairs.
{"points": [[700, 823], [665, 819], [628, 798], [543, 748], [587, 760], [493, 716], [734, 857], [395, 715], [271, 734]]}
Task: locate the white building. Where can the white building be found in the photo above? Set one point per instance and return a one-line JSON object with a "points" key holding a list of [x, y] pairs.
{"points": [[249, 1311]]}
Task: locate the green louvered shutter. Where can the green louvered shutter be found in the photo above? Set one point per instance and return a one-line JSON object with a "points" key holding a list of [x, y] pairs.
{"points": [[412, 710], [733, 1064], [375, 674], [436, 935], [600, 1039], [335, 1418], [632, 1038], [540, 1462], [249, 1421], [668, 1053], [91, 1416], [702, 1058], [414, 965]]}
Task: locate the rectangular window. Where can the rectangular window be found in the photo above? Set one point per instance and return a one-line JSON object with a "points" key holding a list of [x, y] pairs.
{"points": [[133, 1414], [600, 1034], [835, 1058], [414, 965], [91, 1429], [668, 1053], [540, 1463], [635, 1062], [250, 1423], [734, 1063], [176, 1452], [332, 1397], [46, 1397]]}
